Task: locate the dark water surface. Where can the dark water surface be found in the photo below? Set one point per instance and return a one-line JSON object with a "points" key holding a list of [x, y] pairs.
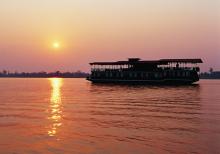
{"points": [[75, 116]]}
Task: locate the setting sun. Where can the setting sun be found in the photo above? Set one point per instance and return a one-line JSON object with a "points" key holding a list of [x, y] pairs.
{"points": [[56, 45]]}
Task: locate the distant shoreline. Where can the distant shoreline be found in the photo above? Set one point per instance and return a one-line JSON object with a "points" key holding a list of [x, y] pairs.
{"points": [[80, 77], [6, 74], [210, 75], [57, 74], [210, 78], [43, 77]]}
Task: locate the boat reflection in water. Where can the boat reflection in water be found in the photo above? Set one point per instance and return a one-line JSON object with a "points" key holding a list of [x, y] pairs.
{"points": [[55, 106]]}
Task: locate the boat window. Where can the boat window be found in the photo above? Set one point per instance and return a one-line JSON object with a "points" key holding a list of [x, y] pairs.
{"points": [[165, 74], [146, 75], [170, 74], [122, 75], [135, 75], [183, 74]]}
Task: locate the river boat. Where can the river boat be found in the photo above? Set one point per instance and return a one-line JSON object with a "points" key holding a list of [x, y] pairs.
{"points": [[137, 71]]}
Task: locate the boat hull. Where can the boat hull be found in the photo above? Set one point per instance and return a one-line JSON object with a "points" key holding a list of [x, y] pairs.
{"points": [[158, 82]]}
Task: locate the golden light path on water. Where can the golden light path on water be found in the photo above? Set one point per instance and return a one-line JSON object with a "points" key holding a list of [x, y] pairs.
{"points": [[55, 106]]}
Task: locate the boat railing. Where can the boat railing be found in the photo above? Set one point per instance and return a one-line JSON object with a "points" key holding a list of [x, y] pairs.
{"points": [[158, 69]]}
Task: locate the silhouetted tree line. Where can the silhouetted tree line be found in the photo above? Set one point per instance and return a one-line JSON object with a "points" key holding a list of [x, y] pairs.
{"points": [[210, 75], [43, 74]]}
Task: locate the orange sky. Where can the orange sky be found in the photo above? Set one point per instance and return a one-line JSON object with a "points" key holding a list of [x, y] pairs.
{"points": [[97, 30]]}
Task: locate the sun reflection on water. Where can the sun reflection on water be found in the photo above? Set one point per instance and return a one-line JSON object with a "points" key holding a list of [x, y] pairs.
{"points": [[55, 105]]}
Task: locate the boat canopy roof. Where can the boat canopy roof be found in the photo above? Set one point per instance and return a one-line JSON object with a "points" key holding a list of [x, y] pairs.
{"points": [[181, 60], [132, 61]]}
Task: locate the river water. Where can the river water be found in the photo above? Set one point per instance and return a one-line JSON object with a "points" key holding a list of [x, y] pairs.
{"points": [[74, 116]]}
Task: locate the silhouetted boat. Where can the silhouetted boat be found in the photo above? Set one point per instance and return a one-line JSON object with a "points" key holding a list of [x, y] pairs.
{"points": [[136, 71]]}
